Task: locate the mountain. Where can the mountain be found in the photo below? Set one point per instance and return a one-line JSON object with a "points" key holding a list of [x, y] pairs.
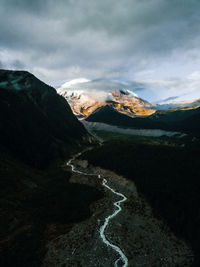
{"points": [[179, 105], [84, 103], [81, 103], [109, 115], [186, 120], [36, 124], [179, 120], [38, 133], [168, 178], [128, 103]]}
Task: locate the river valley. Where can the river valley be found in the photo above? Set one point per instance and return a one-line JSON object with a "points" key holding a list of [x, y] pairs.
{"points": [[114, 237]]}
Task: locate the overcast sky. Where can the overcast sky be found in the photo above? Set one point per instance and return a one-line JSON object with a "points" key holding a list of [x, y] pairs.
{"points": [[154, 45]]}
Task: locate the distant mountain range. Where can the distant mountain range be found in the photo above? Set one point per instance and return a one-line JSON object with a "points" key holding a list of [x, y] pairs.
{"points": [[85, 102], [126, 102], [179, 105], [125, 109]]}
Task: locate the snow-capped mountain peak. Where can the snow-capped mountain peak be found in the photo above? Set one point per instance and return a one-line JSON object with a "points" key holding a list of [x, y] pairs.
{"points": [[128, 92], [85, 102]]}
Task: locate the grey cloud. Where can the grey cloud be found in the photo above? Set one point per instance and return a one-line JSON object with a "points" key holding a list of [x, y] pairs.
{"points": [[30, 6], [166, 100], [17, 64], [66, 39], [169, 99], [1, 65], [105, 85]]}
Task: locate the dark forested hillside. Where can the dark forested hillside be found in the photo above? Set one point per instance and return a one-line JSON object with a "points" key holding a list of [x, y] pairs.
{"points": [[37, 132], [109, 115], [174, 120], [168, 177], [36, 123]]}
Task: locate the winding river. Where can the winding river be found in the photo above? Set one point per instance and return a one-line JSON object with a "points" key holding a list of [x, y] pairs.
{"points": [[118, 208]]}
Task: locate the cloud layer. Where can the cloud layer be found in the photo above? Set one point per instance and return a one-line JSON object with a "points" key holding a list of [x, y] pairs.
{"points": [[153, 42]]}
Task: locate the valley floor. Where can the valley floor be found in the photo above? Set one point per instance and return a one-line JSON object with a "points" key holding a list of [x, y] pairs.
{"points": [[145, 240]]}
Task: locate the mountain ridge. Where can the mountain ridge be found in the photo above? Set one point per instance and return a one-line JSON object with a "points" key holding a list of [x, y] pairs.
{"points": [[33, 115], [84, 103], [186, 121]]}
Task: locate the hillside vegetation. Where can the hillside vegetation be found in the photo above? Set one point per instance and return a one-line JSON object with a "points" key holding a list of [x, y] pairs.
{"points": [[36, 124], [177, 120], [38, 133], [167, 176]]}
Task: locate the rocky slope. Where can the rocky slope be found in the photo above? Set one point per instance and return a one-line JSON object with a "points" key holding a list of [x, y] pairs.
{"points": [[145, 240], [37, 132], [36, 123], [84, 104], [166, 175], [130, 104]]}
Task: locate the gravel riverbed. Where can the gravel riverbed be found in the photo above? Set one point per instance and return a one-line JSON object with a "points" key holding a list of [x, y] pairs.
{"points": [[145, 240]]}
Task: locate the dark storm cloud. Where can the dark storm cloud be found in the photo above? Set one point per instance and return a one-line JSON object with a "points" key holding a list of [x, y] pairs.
{"points": [[31, 6], [111, 39]]}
